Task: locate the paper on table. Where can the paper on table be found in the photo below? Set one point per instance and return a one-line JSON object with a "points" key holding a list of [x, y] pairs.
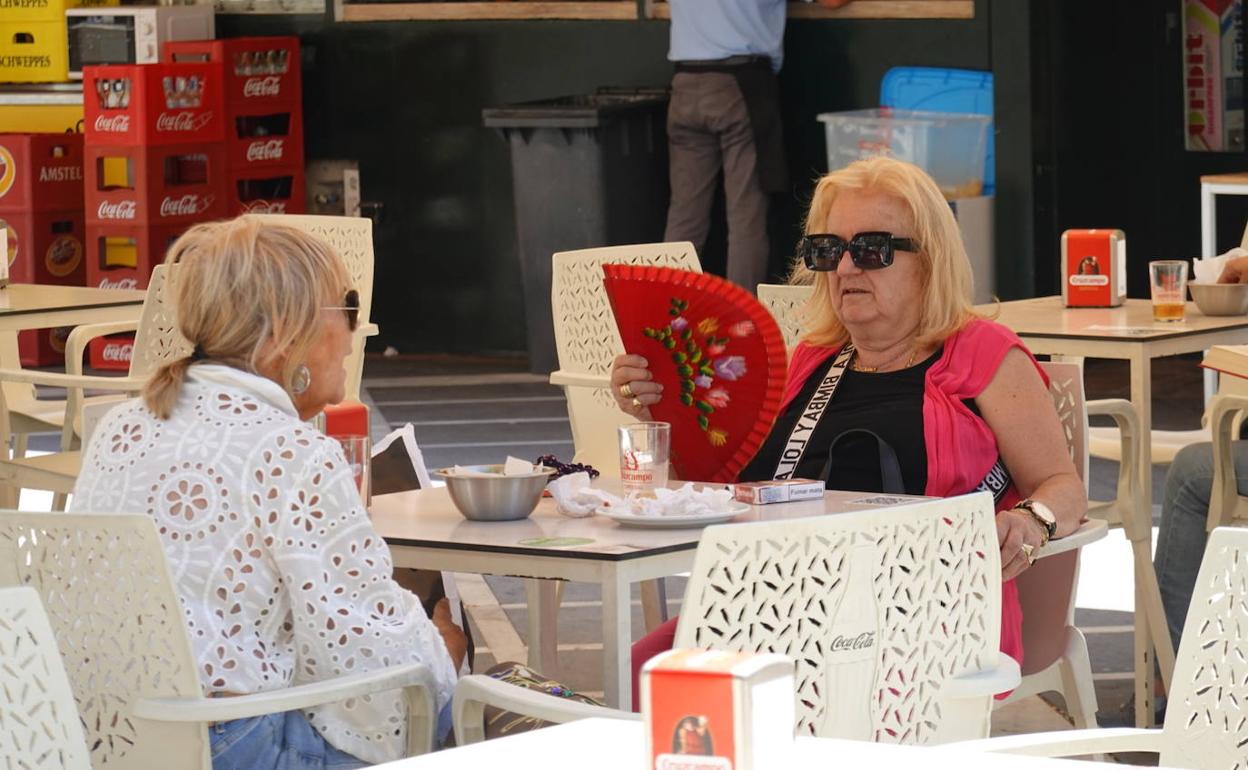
{"points": [[517, 467], [575, 497], [1208, 270]]}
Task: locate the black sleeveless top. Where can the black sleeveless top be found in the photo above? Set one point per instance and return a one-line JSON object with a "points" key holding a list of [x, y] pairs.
{"points": [[889, 404]]}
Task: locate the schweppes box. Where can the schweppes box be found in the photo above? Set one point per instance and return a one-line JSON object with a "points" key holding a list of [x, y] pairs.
{"points": [[718, 710], [40, 172], [1094, 268]]}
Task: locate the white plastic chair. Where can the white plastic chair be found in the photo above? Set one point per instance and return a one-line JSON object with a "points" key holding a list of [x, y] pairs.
{"points": [[39, 724], [107, 589], [922, 580], [352, 238], [1205, 726], [156, 340], [786, 304], [587, 340]]}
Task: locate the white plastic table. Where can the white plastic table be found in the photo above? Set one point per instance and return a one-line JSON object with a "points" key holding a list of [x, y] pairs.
{"points": [[425, 530], [611, 744], [36, 306]]}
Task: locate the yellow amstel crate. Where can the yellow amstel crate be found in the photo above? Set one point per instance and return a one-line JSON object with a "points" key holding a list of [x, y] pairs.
{"points": [[33, 52], [45, 10], [40, 118]]}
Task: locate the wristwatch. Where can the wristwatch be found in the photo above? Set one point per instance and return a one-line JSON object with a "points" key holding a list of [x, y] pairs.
{"points": [[1042, 514]]}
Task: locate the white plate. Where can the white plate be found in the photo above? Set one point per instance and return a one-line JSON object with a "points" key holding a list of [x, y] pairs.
{"points": [[627, 519]]}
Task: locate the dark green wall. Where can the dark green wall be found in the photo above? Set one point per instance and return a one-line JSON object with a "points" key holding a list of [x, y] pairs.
{"points": [[405, 98]]}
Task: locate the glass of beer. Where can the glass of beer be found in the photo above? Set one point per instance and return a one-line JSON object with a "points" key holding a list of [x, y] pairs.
{"points": [[644, 451], [1167, 280]]}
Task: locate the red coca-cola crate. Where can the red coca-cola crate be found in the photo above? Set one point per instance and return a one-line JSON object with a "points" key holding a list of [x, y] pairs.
{"points": [[174, 184], [46, 247], [43, 347], [257, 69], [112, 353], [40, 172], [121, 256], [146, 105], [277, 190], [265, 135]]}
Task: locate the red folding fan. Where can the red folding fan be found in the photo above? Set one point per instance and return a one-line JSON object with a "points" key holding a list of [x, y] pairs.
{"points": [[718, 354]]}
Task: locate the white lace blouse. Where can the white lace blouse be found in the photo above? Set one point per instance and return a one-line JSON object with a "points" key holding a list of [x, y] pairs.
{"points": [[282, 577]]}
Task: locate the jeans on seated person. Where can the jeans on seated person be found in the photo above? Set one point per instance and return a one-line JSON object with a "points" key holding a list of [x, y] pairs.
{"points": [[286, 741], [1182, 536]]}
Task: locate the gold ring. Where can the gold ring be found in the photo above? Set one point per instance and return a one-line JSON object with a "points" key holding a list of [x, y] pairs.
{"points": [[1029, 551], [637, 403], [626, 391]]}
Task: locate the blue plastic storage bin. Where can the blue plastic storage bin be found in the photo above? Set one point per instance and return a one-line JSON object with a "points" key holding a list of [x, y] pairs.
{"points": [[937, 89]]}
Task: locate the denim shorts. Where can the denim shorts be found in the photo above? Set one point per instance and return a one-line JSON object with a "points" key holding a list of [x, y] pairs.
{"points": [[275, 742]]}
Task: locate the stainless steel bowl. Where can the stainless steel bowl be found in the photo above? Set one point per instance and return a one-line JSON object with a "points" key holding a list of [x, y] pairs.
{"points": [[495, 498], [1220, 298]]}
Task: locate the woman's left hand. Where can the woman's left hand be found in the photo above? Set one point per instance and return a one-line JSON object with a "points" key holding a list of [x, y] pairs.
{"points": [[1016, 529]]}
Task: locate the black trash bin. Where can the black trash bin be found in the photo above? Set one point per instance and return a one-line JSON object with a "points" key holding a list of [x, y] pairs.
{"points": [[587, 171]]}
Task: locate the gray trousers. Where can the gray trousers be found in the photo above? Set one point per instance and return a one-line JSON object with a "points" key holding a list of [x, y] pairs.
{"points": [[1181, 537], [708, 128]]}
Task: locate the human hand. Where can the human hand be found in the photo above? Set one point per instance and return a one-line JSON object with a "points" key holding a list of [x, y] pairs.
{"points": [[1235, 271], [452, 635], [1015, 529], [632, 386]]}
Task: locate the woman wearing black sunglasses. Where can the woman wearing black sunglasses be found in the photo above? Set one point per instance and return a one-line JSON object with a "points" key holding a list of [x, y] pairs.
{"points": [[926, 396], [281, 576]]}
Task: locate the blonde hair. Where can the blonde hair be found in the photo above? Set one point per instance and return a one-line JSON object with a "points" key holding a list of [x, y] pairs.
{"points": [[244, 290], [947, 279]]}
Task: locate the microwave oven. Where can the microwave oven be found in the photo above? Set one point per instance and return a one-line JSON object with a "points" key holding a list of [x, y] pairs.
{"points": [[132, 34]]}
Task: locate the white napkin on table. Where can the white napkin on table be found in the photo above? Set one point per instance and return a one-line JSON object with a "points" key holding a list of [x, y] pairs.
{"points": [[575, 497]]}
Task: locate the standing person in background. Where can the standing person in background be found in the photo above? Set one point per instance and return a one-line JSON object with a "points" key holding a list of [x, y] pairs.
{"points": [[725, 114]]}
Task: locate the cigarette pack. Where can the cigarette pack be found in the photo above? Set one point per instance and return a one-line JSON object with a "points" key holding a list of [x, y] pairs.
{"points": [[718, 710], [787, 491], [1094, 268]]}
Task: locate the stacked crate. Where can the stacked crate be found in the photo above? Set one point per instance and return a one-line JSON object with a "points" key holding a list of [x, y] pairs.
{"points": [[41, 210], [33, 43], [154, 164], [264, 119]]}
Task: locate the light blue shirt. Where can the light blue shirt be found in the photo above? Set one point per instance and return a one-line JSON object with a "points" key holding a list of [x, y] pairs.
{"points": [[717, 29]]}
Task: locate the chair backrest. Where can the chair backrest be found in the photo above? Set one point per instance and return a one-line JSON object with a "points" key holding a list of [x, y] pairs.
{"points": [[105, 584], [1205, 725], [880, 609], [785, 303], [39, 724], [352, 237], [587, 341], [157, 339], [1046, 591]]}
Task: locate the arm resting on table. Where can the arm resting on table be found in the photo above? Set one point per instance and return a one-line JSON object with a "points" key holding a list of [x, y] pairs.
{"points": [[474, 693]]}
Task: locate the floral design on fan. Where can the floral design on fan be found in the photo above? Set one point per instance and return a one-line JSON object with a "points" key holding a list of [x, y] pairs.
{"points": [[698, 351]]}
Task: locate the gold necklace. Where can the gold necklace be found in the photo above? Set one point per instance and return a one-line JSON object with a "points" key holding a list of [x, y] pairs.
{"points": [[857, 367]]}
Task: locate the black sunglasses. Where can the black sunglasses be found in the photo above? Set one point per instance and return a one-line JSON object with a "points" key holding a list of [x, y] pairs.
{"points": [[351, 308], [869, 251]]}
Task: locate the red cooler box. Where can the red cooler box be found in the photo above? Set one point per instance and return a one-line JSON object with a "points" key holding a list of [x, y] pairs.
{"points": [[46, 247], [40, 172], [122, 256], [277, 190], [153, 104], [257, 69], [164, 185], [43, 347], [111, 353]]}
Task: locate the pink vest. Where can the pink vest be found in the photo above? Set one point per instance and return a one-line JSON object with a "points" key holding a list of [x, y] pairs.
{"points": [[961, 448]]}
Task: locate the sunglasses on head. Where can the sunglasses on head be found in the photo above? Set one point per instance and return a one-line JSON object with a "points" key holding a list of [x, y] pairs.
{"points": [[869, 251], [351, 308]]}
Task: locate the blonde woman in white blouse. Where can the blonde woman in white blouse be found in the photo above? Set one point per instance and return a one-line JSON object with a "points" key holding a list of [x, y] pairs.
{"points": [[281, 576]]}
